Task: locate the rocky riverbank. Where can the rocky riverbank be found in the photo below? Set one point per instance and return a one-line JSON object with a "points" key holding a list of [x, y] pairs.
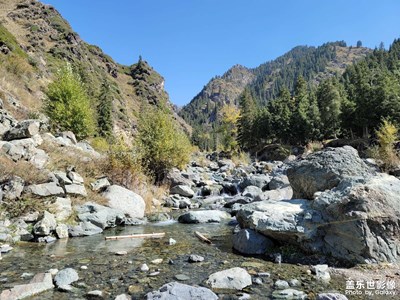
{"points": [[290, 224]]}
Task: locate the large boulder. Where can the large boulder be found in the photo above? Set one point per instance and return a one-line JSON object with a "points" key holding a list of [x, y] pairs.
{"points": [[99, 215], [354, 222], [325, 169], [84, 229], [204, 216], [362, 221], [248, 241], [285, 220], [175, 177], [177, 291], [130, 203], [24, 129], [231, 279], [182, 190], [259, 180]]}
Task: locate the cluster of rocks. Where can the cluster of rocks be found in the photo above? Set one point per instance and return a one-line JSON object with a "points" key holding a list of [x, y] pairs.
{"points": [[330, 202], [234, 280], [341, 207], [62, 280], [221, 185], [20, 141]]}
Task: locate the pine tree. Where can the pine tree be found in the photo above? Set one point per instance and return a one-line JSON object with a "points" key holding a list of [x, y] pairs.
{"points": [[329, 102], [247, 106], [313, 119], [280, 111], [299, 119], [104, 110]]}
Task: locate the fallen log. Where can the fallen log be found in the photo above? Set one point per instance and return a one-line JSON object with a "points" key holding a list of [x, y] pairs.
{"points": [[202, 237], [136, 236]]}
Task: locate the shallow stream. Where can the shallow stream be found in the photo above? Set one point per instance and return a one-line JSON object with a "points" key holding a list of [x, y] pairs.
{"points": [[115, 275]]}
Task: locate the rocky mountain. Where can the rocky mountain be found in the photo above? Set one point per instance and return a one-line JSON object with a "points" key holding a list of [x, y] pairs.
{"points": [[35, 41], [265, 81]]}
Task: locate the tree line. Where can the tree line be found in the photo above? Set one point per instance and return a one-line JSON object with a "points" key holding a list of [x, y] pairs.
{"points": [[351, 105]]}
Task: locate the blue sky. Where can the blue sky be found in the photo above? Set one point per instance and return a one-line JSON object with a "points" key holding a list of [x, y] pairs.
{"points": [[190, 41]]}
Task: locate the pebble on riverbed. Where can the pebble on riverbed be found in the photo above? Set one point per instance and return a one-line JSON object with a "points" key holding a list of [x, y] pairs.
{"points": [[94, 295], [281, 284], [181, 277], [195, 258], [144, 268]]}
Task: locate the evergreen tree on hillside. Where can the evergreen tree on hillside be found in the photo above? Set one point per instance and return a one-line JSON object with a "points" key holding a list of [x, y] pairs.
{"points": [[262, 127], [104, 110], [280, 111], [247, 107], [329, 102], [299, 119], [313, 119]]}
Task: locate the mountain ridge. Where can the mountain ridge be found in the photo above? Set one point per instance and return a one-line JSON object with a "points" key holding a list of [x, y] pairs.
{"points": [[43, 40], [264, 81]]}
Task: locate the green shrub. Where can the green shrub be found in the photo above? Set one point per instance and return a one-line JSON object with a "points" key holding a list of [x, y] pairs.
{"points": [[100, 144], [68, 104], [160, 144]]}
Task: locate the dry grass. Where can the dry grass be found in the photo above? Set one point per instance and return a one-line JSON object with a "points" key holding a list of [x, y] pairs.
{"points": [[149, 192], [119, 169], [241, 158], [314, 146], [62, 157], [23, 169]]}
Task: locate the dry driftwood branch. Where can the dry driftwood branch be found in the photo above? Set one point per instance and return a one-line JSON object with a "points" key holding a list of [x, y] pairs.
{"points": [[202, 237], [136, 236]]}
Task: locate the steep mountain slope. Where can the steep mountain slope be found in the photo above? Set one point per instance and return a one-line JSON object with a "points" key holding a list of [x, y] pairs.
{"points": [[264, 82], [219, 91], [35, 41]]}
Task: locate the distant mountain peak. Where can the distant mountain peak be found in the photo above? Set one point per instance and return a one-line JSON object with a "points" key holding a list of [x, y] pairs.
{"points": [[265, 81]]}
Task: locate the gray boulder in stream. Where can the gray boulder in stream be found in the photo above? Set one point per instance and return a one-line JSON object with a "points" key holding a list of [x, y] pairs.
{"points": [[84, 229], [248, 241], [325, 169], [182, 190], [130, 203], [99, 215], [204, 216], [178, 291], [354, 215], [283, 220], [66, 277], [231, 279]]}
